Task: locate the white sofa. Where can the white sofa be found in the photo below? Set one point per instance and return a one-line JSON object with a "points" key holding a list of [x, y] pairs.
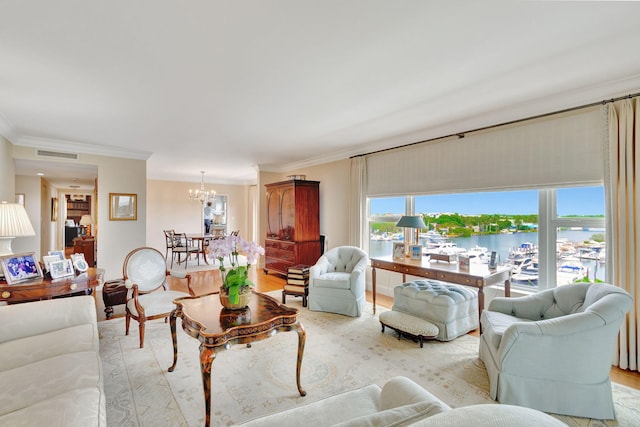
{"points": [[50, 369], [400, 402]]}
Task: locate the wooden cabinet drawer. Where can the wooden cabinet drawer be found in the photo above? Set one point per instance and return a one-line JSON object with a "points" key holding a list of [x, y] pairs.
{"points": [[282, 255]]}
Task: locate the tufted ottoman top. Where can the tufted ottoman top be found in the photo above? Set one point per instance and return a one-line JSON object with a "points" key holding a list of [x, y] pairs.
{"points": [[435, 292], [453, 308]]}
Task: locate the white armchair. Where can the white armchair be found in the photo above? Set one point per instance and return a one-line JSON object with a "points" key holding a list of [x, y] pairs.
{"points": [[337, 282], [145, 274], [553, 350]]}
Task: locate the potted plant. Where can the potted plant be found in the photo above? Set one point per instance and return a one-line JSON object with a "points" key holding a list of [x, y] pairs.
{"points": [[235, 291]]}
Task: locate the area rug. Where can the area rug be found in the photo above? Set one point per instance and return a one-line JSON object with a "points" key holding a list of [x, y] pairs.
{"points": [[341, 354]]}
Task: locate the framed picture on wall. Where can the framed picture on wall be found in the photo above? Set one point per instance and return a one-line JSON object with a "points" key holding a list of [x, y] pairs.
{"points": [[54, 209], [123, 207]]}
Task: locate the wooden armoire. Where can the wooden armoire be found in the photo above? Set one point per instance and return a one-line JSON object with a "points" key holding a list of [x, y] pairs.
{"points": [[293, 224]]}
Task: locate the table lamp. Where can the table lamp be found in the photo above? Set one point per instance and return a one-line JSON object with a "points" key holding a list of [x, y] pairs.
{"points": [[14, 222], [86, 221], [411, 221]]}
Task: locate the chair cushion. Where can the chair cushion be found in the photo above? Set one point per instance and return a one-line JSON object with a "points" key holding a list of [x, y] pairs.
{"points": [[155, 303], [494, 324], [336, 280]]}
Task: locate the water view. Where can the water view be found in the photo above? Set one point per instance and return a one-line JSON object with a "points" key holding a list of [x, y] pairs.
{"points": [[503, 244]]}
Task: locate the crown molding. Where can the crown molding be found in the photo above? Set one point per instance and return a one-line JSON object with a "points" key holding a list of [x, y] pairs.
{"points": [[79, 147], [7, 129]]}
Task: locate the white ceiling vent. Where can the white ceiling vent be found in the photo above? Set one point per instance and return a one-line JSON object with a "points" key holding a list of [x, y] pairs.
{"points": [[57, 154]]}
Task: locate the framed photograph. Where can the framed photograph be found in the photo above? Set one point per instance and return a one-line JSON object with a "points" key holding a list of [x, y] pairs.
{"points": [[48, 259], [20, 199], [79, 262], [123, 207], [61, 268], [54, 209], [416, 252], [398, 250], [20, 267], [463, 262], [59, 254]]}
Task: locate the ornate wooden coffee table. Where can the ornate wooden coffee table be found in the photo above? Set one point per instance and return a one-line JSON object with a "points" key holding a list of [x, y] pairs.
{"points": [[216, 328]]}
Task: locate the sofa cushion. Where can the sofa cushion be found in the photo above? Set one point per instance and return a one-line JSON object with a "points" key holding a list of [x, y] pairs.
{"points": [[325, 412], [400, 391], [398, 416], [490, 415], [84, 407], [24, 351], [27, 385]]}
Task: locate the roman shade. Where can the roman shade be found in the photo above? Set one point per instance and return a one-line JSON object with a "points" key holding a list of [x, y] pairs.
{"points": [[560, 150]]}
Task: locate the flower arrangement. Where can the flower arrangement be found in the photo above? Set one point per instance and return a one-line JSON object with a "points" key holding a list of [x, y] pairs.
{"points": [[234, 275]]}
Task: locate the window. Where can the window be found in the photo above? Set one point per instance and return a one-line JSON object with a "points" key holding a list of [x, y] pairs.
{"points": [[550, 237]]}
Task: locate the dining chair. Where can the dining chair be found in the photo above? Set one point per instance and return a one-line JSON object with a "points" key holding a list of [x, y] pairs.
{"points": [[179, 244], [148, 297]]}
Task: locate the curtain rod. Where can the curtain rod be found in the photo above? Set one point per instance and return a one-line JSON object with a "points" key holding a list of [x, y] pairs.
{"points": [[462, 134]]}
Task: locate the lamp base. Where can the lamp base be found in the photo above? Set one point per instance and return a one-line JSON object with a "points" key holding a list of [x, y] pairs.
{"points": [[5, 249]]}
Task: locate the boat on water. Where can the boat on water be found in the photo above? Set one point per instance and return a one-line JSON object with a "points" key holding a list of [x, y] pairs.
{"points": [[522, 252], [478, 254], [572, 266], [525, 272]]}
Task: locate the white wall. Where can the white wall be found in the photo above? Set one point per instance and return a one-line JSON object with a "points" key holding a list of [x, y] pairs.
{"points": [[115, 239], [170, 208], [334, 199], [30, 186], [7, 171]]}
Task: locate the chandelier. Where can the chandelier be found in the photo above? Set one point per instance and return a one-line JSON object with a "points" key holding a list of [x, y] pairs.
{"points": [[201, 194]]}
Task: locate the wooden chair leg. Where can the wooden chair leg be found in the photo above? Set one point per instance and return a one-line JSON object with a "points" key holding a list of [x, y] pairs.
{"points": [[141, 334], [127, 321]]}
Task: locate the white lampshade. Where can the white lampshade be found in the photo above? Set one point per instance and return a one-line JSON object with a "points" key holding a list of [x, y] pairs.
{"points": [[14, 222], [86, 220]]}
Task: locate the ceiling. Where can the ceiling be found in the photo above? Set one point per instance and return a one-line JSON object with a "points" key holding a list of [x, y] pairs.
{"points": [[233, 87]]}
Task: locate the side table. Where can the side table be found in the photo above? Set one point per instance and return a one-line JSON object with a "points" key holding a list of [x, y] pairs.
{"points": [[39, 289]]}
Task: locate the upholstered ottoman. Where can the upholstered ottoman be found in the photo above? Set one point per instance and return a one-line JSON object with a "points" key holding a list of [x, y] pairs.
{"points": [[452, 308], [406, 324]]}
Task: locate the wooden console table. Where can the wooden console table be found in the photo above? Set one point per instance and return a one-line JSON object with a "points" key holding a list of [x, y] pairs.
{"points": [[39, 289], [477, 276]]}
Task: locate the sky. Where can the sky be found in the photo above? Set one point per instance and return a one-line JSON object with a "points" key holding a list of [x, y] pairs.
{"points": [[578, 201]]}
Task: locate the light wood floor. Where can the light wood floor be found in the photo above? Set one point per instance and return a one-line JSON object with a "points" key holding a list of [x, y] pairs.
{"points": [[209, 281]]}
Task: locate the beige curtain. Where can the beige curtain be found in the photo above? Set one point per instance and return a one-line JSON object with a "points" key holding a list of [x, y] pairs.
{"points": [[357, 202], [622, 180]]}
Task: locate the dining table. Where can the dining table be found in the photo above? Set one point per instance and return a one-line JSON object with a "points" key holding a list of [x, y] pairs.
{"points": [[202, 242]]}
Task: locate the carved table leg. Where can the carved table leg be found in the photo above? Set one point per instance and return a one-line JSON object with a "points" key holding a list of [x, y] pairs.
{"points": [[302, 338], [174, 338], [207, 354]]}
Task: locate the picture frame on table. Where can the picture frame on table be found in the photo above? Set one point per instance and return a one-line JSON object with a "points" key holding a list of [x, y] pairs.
{"points": [[416, 252], [59, 254], [79, 263], [62, 268], [398, 250], [48, 259], [123, 207], [19, 268]]}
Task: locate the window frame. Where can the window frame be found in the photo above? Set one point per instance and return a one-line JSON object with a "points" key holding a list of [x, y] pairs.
{"points": [[548, 224]]}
